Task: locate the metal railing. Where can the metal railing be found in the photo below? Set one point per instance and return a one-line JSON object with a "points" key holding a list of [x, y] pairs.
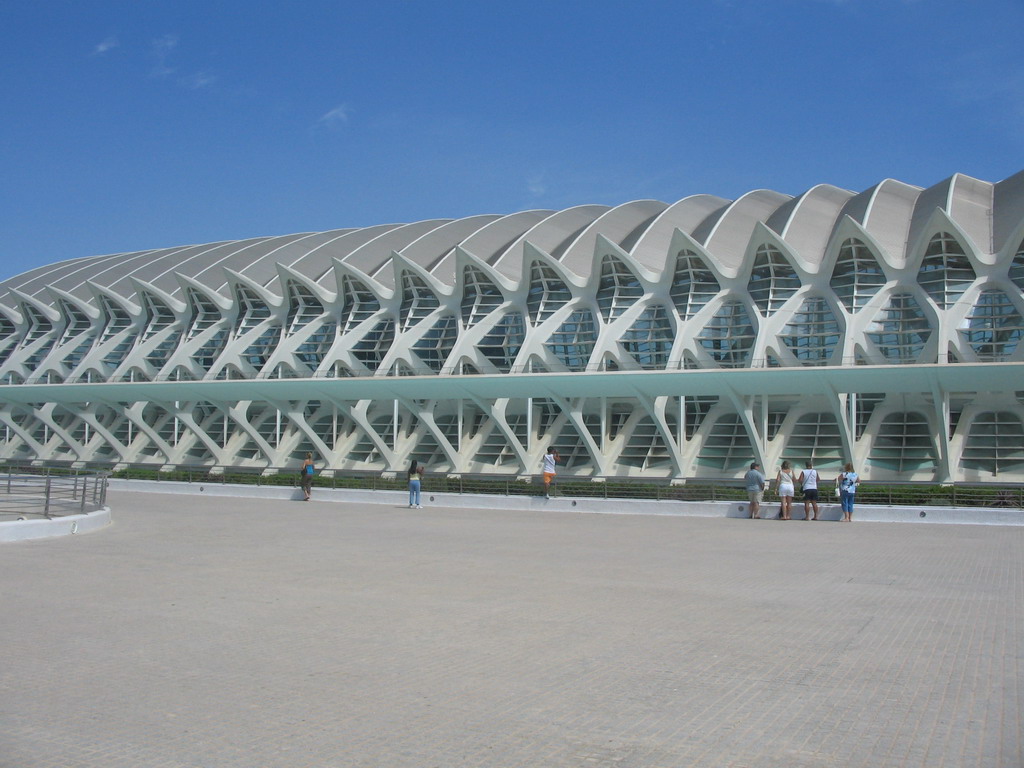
{"points": [[47, 492]]}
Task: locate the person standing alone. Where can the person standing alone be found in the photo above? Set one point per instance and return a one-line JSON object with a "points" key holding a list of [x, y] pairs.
{"points": [[548, 469], [415, 478], [308, 470], [754, 481]]}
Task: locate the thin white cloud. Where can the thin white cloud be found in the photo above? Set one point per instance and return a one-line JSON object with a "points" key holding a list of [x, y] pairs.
{"points": [[198, 80], [335, 117], [161, 49], [536, 185], [108, 44]]}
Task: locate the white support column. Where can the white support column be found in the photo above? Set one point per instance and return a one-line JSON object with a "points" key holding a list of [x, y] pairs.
{"points": [[530, 440], [604, 425], [852, 400], [459, 435], [681, 437]]}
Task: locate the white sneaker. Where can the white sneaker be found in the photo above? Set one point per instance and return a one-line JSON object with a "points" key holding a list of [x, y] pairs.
{"points": [[419, 506]]}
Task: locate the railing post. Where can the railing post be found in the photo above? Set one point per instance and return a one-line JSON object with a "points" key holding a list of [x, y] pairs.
{"points": [[46, 503]]}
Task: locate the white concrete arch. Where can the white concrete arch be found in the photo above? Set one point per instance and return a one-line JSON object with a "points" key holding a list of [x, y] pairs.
{"points": [[549, 235], [731, 232], [654, 247], [618, 225]]}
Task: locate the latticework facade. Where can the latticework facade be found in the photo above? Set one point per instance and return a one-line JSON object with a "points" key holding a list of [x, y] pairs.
{"points": [[647, 339]]}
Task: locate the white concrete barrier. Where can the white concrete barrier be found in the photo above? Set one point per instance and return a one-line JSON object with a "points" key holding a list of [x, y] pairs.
{"points": [[735, 509], [43, 528]]}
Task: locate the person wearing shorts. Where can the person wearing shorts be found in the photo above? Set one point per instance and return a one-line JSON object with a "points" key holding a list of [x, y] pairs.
{"points": [[754, 482], [785, 485], [548, 469], [809, 482]]}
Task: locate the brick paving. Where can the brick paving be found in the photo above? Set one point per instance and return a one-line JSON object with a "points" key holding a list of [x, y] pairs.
{"points": [[204, 632]]}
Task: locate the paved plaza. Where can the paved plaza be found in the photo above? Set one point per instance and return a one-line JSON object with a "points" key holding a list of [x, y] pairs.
{"points": [[202, 632]]}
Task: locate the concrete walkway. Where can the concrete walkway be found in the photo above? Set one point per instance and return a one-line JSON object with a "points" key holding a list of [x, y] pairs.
{"points": [[201, 631]]}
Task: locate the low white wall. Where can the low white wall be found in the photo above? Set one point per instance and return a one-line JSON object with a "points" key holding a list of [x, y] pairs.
{"points": [[41, 528], [770, 510]]}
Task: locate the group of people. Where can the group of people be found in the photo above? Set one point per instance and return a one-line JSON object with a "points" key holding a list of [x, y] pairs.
{"points": [[414, 476], [786, 482]]}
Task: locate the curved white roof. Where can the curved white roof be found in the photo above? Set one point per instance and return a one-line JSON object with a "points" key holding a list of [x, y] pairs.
{"points": [[891, 212]]}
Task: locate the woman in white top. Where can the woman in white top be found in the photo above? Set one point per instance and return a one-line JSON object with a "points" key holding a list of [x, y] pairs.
{"points": [[809, 482], [784, 482]]}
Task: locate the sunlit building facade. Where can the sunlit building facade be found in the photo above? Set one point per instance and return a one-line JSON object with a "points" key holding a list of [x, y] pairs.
{"points": [[649, 339]]}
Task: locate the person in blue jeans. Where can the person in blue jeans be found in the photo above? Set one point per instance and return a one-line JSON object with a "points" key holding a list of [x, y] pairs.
{"points": [[415, 478], [847, 484]]}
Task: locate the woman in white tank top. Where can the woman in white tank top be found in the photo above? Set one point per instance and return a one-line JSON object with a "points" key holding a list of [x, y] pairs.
{"points": [[784, 482]]}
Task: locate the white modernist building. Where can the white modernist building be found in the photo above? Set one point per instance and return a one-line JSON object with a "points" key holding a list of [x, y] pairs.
{"points": [[647, 339]]}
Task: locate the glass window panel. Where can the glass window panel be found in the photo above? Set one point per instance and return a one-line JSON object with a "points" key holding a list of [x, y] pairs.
{"points": [[772, 280], [995, 443], [573, 342], [252, 310], [371, 349], [480, 296], [649, 340], [418, 300], [901, 330], [857, 275], [617, 289], [358, 303], [434, 347], [994, 327], [945, 271], [547, 294], [501, 344], [813, 333], [303, 307], [729, 336], [904, 443], [693, 284]]}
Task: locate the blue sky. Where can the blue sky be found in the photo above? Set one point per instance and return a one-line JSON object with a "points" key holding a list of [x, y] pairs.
{"points": [[149, 123]]}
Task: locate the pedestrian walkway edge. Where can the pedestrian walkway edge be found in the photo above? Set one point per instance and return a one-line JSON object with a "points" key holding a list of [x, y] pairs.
{"points": [[729, 509]]}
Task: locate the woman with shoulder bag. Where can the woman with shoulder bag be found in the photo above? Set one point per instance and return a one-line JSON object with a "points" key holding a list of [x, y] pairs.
{"points": [[846, 483]]}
